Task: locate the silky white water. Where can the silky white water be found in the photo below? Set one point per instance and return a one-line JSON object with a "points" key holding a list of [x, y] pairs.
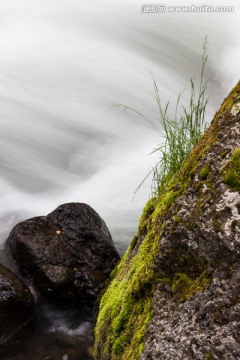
{"points": [[63, 64]]}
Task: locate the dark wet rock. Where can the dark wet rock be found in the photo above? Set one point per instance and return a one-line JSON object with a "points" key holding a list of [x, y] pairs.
{"points": [[67, 254], [176, 293], [16, 307]]}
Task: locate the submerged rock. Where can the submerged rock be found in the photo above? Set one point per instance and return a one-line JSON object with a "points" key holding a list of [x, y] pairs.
{"points": [[16, 307], [67, 255], [176, 292]]}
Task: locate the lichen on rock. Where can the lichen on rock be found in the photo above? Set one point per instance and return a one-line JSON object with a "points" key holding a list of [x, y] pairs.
{"points": [[176, 292]]}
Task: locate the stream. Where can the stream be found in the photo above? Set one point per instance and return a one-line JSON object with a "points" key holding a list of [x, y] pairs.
{"points": [[63, 65]]}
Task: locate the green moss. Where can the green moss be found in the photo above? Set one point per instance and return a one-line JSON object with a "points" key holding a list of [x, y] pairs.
{"points": [[183, 286], [149, 208], [199, 185], [170, 198], [166, 280], [210, 356], [192, 173], [232, 175], [177, 220], [229, 101], [224, 153], [216, 225], [204, 172], [125, 308], [144, 223]]}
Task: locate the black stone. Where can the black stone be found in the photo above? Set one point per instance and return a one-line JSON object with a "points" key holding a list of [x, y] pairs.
{"points": [[67, 255], [16, 307]]}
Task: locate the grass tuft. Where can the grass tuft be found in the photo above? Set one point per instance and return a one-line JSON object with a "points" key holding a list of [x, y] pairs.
{"points": [[180, 133]]}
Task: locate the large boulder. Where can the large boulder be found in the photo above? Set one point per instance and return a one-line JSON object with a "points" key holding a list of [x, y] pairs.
{"points": [[176, 293], [67, 255], [16, 307]]}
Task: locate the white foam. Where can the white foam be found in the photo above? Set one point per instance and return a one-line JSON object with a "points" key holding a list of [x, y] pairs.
{"points": [[62, 65]]}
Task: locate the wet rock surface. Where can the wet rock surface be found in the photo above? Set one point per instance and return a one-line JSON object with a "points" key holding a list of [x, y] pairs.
{"points": [[16, 307], [55, 334], [67, 255]]}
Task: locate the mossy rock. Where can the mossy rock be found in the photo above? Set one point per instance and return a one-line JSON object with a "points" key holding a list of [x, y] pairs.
{"points": [[232, 175], [186, 252]]}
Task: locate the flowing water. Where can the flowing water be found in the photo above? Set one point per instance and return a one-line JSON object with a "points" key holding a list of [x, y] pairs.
{"points": [[63, 64]]}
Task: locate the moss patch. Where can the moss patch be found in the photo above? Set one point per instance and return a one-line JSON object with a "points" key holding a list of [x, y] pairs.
{"points": [[223, 154], [183, 286], [125, 308], [144, 222], [204, 172], [216, 224], [229, 102], [199, 185], [210, 356], [232, 176], [170, 198]]}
